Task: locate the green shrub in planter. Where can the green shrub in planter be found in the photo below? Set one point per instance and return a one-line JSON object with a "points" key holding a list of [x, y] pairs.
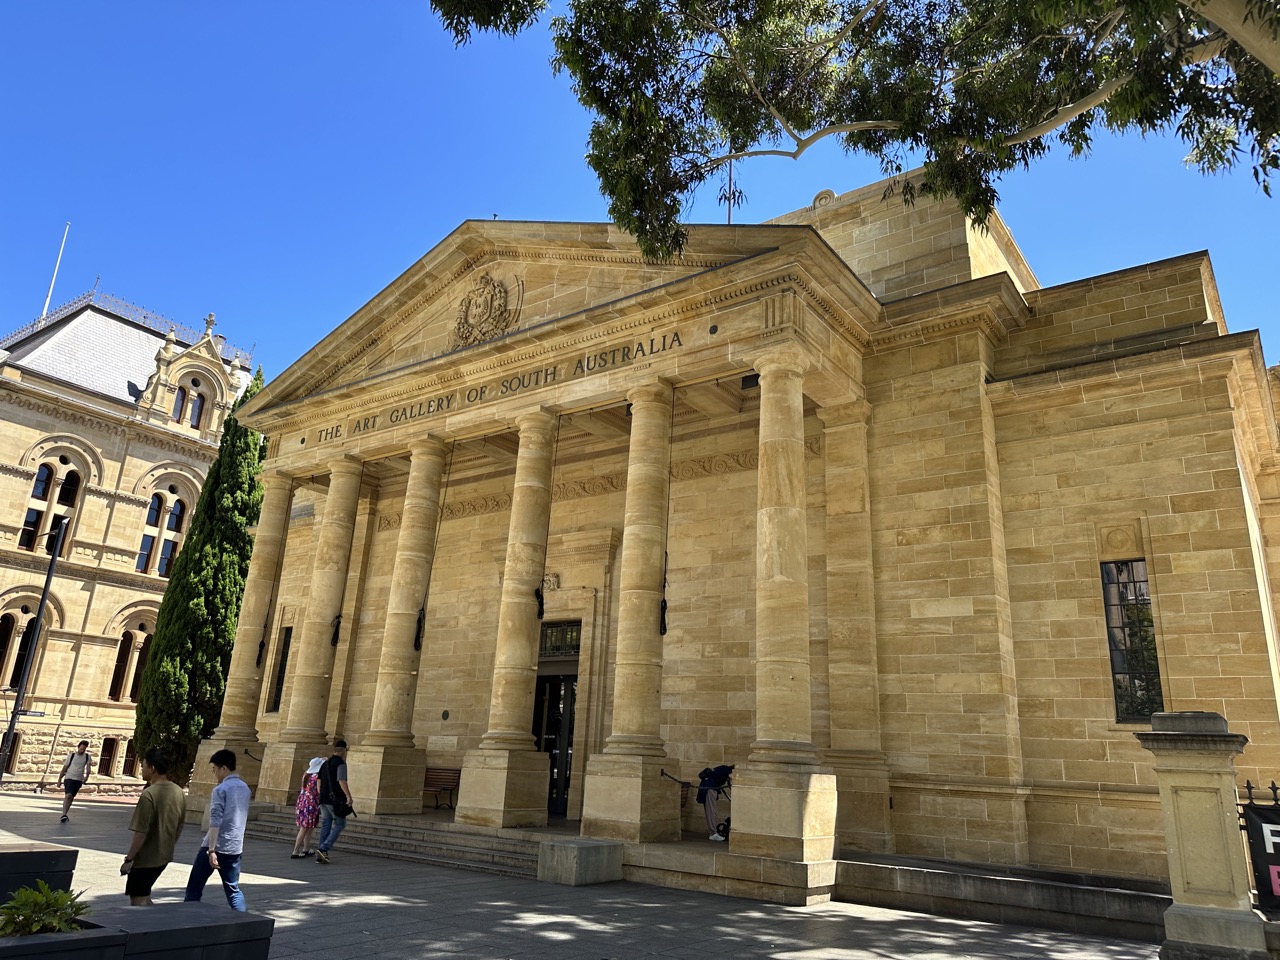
{"points": [[41, 911]]}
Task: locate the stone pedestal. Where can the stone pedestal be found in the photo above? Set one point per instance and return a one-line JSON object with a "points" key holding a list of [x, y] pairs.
{"points": [[386, 779], [503, 788], [1212, 916], [627, 798], [576, 862], [783, 812], [282, 767]]}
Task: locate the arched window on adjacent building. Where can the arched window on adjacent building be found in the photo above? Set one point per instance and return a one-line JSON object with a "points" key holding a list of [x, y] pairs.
{"points": [[24, 651], [141, 664], [197, 409], [107, 756], [179, 404], [124, 651], [8, 627], [130, 768], [162, 535], [43, 518]]}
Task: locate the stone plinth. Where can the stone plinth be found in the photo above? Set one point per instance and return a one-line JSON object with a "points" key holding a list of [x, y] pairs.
{"points": [[1212, 915], [386, 779], [626, 798], [783, 813], [503, 788], [577, 861]]}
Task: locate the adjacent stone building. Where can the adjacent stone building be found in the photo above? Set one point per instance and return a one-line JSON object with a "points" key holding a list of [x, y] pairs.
{"points": [[846, 499], [109, 419]]}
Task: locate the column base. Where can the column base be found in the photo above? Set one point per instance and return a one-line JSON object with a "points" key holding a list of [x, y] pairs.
{"points": [[503, 788], [784, 812], [386, 779], [282, 768], [862, 811], [626, 798], [248, 765], [1213, 933]]}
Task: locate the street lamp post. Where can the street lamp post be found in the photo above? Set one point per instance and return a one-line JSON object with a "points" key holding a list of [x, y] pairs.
{"points": [[20, 696]]}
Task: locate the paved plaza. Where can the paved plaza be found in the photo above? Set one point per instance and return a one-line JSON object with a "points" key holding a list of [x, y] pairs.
{"points": [[361, 906]]}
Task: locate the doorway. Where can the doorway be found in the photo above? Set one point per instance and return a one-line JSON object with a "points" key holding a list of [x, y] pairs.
{"points": [[555, 698]]}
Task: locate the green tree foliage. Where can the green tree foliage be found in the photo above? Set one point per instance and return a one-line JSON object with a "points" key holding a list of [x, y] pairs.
{"points": [[971, 88], [182, 686]]}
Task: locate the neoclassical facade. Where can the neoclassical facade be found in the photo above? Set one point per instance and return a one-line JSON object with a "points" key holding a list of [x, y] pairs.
{"points": [[846, 499], [111, 418]]}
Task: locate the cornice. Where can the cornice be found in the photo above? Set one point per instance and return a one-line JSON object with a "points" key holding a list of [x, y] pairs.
{"points": [[70, 570], [993, 304]]}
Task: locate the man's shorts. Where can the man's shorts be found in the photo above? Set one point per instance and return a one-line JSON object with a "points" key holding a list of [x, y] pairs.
{"points": [[72, 786], [140, 880]]}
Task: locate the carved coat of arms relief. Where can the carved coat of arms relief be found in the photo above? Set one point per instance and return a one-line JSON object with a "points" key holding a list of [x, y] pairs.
{"points": [[483, 313]]}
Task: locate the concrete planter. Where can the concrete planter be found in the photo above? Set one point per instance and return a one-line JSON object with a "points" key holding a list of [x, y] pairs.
{"points": [[169, 931], [22, 864]]}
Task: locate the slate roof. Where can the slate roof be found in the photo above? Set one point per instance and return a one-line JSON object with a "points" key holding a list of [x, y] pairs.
{"points": [[90, 346]]}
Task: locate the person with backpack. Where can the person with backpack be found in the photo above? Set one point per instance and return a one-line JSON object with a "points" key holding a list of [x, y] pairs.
{"points": [[74, 775], [712, 782], [335, 800]]}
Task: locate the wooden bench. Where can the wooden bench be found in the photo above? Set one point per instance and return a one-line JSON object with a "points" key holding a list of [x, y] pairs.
{"points": [[440, 780]]}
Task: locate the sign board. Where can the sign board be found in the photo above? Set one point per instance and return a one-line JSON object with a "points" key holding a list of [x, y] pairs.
{"points": [[1262, 824], [31, 713]]}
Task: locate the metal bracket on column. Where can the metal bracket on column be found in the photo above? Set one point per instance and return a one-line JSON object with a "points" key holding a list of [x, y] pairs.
{"points": [[337, 626], [537, 592]]}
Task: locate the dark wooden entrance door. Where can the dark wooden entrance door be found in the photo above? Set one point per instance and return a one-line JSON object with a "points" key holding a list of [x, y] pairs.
{"points": [[553, 734]]}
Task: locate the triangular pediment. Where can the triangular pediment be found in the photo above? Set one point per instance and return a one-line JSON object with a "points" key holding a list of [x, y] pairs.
{"points": [[491, 280]]}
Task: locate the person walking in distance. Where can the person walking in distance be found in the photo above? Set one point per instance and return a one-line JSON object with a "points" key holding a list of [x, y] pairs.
{"points": [[156, 824], [74, 775], [335, 800], [223, 842]]}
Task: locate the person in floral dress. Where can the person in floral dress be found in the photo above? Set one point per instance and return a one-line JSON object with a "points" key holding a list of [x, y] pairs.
{"points": [[308, 810]]}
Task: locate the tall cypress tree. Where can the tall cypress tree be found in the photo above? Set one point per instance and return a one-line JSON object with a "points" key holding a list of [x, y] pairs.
{"points": [[182, 686]]}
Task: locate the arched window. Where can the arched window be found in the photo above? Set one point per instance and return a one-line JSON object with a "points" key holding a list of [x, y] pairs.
{"points": [[155, 510], [197, 409], [70, 489], [8, 624], [168, 553], [136, 686], [130, 759], [123, 650], [180, 403], [24, 650], [44, 477], [177, 516], [107, 756]]}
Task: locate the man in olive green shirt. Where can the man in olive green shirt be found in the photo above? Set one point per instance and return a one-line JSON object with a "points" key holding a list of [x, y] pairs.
{"points": [[157, 821]]}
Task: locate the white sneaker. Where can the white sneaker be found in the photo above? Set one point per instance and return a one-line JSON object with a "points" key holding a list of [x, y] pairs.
{"points": [[716, 836]]}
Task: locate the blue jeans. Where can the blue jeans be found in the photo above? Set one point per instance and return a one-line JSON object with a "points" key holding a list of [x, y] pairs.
{"points": [[228, 871], [330, 826]]}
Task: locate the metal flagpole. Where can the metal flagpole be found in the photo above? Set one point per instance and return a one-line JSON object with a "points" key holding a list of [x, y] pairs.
{"points": [[45, 312]]}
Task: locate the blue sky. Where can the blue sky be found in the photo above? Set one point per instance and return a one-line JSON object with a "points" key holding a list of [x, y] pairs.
{"points": [[280, 163]]}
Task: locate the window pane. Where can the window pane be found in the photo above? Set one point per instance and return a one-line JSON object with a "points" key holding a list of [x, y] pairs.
{"points": [[107, 756], [282, 665], [8, 624], [70, 489], [177, 515], [137, 671], [44, 477], [144, 552], [197, 409], [155, 510], [51, 541], [116, 690], [30, 526], [168, 550], [1131, 637], [179, 403], [24, 649]]}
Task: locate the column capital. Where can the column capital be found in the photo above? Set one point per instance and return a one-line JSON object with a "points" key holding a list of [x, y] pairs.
{"points": [[657, 390], [428, 446], [852, 413], [346, 466], [275, 478], [539, 419], [784, 358]]}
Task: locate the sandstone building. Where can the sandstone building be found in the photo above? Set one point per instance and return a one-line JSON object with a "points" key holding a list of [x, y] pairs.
{"points": [[846, 499], [111, 418]]}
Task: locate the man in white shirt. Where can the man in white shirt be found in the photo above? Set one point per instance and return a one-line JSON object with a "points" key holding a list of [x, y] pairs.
{"points": [[74, 775]]}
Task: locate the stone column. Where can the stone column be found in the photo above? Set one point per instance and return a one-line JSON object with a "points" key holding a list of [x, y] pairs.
{"points": [[386, 770], [1211, 916], [855, 756], [241, 698], [504, 782], [311, 661], [784, 804], [625, 796]]}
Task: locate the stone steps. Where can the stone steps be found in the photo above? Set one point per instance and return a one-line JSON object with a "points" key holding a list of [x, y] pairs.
{"points": [[403, 838]]}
